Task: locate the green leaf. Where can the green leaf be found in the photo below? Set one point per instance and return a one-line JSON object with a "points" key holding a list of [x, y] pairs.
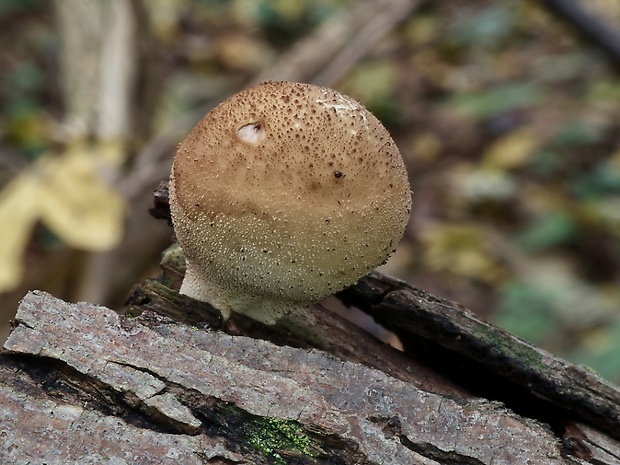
{"points": [[485, 28], [601, 352], [498, 100], [554, 229], [604, 179], [526, 311], [572, 133]]}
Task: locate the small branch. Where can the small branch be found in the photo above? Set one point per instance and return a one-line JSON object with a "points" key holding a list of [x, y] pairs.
{"points": [[334, 47], [414, 313], [323, 56], [388, 16], [589, 26]]}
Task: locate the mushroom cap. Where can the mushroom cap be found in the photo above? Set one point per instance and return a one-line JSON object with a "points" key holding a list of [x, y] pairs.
{"points": [[284, 194]]}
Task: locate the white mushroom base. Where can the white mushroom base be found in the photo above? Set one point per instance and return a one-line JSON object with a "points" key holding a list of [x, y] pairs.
{"points": [[258, 307]]}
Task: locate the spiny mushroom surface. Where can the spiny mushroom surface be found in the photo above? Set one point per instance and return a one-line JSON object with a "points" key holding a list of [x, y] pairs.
{"points": [[285, 194]]}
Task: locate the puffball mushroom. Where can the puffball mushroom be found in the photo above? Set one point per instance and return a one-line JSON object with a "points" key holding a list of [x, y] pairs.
{"points": [[285, 194]]}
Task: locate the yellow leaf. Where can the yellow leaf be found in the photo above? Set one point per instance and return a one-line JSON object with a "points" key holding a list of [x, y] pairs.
{"points": [[614, 160], [512, 150], [19, 210], [462, 250], [77, 205], [108, 152], [426, 147], [68, 194]]}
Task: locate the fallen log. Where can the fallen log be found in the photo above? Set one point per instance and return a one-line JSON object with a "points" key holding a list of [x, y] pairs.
{"points": [[166, 381]]}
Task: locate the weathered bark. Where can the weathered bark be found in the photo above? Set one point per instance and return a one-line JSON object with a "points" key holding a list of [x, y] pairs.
{"points": [[150, 389], [168, 383]]}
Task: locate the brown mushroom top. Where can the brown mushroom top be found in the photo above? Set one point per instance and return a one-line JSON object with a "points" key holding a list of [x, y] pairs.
{"points": [[287, 192]]}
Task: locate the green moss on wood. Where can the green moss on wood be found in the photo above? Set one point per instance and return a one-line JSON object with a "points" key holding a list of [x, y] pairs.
{"points": [[273, 437], [524, 353]]}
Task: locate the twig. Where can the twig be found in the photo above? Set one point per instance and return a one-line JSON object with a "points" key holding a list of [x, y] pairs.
{"points": [[323, 56], [589, 26], [366, 38]]}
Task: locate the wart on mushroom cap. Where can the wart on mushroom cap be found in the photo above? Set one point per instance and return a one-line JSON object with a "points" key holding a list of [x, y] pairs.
{"points": [[285, 194]]}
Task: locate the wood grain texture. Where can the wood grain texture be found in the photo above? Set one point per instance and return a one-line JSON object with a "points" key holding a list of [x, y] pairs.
{"points": [[180, 389]]}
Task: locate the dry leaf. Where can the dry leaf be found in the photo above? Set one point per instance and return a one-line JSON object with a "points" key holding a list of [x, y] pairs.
{"points": [[19, 210], [68, 195], [77, 206], [461, 249], [511, 151]]}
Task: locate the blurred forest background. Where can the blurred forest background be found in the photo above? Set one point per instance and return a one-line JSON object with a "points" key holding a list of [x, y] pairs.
{"points": [[507, 118]]}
